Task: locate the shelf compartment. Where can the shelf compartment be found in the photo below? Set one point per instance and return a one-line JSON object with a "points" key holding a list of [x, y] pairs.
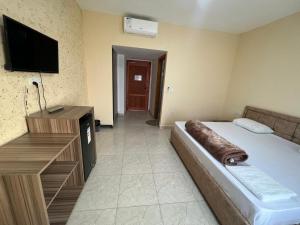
{"points": [[54, 178], [62, 206]]}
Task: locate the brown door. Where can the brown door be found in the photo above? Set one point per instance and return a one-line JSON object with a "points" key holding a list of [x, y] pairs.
{"points": [[138, 76], [159, 85]]}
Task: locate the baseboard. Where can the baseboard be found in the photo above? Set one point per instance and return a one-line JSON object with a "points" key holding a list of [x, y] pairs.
{"points": [[106, 126], [166, 126]]}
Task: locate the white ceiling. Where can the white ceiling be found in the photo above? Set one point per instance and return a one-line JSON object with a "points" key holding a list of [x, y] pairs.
{"points": [[138, 53], [235, 16]]}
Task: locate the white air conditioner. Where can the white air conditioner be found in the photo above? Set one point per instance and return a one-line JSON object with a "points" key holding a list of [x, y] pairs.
{"points": [[142, 27]]}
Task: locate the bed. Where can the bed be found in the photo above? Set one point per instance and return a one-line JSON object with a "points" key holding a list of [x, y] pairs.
{"points": [[232, 203]]}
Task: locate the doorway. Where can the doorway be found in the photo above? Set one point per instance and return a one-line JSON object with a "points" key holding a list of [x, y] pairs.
{"points": [[137, 85], [138, 82]]}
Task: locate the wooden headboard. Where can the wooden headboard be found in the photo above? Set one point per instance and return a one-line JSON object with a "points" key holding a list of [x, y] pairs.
{"points": [[285, 126]]}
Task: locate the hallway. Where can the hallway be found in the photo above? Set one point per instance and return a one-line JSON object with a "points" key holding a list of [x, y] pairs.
{"points": [[139, 180]]}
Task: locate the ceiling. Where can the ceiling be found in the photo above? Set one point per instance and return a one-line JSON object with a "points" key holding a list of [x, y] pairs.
{"points": [[138, 53], [234, 16]]}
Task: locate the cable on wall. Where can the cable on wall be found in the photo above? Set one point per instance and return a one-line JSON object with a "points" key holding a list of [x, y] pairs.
{"points": [[25, 100], [38, 92], [43, 93]]}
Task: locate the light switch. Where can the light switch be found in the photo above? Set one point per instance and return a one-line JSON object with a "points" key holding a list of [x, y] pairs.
{"points": [[170, 89]]}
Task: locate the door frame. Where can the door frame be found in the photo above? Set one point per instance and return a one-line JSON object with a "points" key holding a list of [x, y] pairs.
{"points": [[115, 84], [147, 64], [159, 86]]}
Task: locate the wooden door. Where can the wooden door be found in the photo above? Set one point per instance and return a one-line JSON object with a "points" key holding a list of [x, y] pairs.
{"points": [[138, 78], [159, 86]]}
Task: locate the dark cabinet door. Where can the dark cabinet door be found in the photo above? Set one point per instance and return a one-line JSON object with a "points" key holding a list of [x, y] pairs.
{"points": [[86, 144]]}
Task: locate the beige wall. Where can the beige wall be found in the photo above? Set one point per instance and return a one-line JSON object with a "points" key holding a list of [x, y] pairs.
{"points": [[61, 20], [199, 65], [267, 69]]}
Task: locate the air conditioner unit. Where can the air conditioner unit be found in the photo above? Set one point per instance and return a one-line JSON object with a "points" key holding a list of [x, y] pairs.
{"points": [[142, 27]]}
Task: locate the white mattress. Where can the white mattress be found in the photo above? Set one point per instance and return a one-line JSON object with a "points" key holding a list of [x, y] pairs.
{"points": [[277, 157]]}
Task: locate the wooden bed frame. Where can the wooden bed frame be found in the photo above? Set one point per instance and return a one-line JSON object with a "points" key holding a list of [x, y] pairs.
{"points": [[224, 209]]}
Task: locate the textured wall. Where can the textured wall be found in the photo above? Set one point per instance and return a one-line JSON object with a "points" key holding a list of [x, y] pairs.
{"points": [[266, 72], [61, 20]]}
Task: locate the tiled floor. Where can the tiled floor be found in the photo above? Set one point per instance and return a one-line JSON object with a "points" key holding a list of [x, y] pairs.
{"points": [[139, 180]]}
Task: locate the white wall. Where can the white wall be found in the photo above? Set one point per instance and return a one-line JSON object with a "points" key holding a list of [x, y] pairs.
{"points": [[121, 83], [153, 86]]}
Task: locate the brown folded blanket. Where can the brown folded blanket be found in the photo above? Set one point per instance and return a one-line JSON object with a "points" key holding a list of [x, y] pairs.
{"points": [[221, 149]]}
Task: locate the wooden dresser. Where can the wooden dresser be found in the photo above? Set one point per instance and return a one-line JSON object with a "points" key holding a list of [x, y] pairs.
{"points": [[41, 173], [65, 121]]}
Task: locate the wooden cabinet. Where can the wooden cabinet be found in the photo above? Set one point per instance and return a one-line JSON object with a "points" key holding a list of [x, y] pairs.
{"points": [[65, 121], [41, 173]]}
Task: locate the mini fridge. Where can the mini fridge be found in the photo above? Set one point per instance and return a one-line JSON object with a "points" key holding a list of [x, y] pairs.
{"points": [[86, 126]]}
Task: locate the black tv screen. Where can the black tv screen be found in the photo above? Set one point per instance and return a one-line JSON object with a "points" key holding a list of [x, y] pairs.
{"points": [[28, 50]]}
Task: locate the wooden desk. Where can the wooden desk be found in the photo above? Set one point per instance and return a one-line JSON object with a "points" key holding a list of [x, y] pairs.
{"points": [[37, 173]]}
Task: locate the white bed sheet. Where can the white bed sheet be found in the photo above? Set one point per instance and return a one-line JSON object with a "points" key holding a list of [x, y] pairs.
{"points": [[276, 156]]}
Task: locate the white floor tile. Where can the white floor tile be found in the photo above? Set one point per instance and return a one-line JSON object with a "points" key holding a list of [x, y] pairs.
{"points": [[99, 217], [137, 190], [110, 149], [108, 165], [188, 213], [141, 215], [160, 148], [173, 188], [138, 147], [137, 163], [100, 192], [165, 163]]}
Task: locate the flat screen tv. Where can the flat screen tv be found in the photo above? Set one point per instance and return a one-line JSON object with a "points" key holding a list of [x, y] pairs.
{"points": [[28, 50]]}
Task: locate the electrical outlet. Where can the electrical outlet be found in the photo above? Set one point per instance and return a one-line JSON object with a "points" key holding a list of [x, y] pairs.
{"points": [[34, 79]]}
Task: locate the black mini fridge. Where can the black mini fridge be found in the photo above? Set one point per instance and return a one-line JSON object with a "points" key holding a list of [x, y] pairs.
{"points": [[86, 123]]}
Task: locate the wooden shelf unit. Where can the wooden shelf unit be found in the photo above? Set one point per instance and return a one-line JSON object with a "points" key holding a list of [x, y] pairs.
{"points": [[55, 177], [35, 172], [63, 204]]}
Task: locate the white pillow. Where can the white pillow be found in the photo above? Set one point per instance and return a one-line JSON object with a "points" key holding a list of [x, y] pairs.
{"points": [[253, 126]]}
